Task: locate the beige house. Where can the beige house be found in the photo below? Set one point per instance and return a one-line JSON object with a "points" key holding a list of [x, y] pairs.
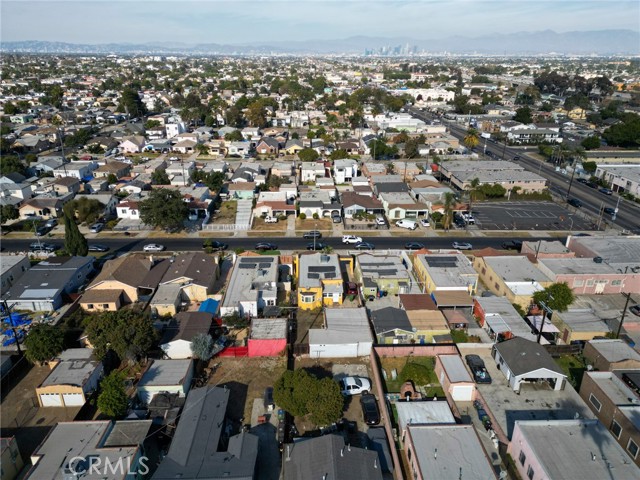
{"points": [[195, 273]]}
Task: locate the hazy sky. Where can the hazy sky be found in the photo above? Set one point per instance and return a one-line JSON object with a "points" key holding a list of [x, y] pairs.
{"points": [[204, 21]]}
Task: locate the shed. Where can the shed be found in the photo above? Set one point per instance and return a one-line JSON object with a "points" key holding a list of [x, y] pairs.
{"points": [[172, 376], [346, 334], [268, 337], [455, 378]]}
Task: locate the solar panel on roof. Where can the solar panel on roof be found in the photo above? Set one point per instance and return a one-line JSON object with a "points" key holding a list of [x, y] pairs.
{"points": [[247, 265], [441, 262], [314, 275], [264, 265], [322, 269], [330, 275]]}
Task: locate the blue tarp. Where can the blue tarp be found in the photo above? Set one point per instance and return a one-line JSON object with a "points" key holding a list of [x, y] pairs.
{"points": [[210, 306], [16, 319], [88, 178]]}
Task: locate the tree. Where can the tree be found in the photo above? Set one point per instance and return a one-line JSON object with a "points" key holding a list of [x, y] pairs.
{"points": [[473, 187], [202, 149], [338, 154], [523, 115], [74, 241], [111, 179], [301, 393], [152, 124], [85, 210], [160, 177], [8, 212], [43, 343], [235, 136], [624, 134], [449, 202], [411, 148], [256, 114], [591, 143], [471, 139], [202, 346], [10, 109], [308, 155], [164, 208], [557, 296], [131, 103], [590, 167], [113, 399], [11, 164]]}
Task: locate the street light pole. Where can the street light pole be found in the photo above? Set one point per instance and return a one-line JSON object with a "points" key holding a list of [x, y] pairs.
{"points": [[624, 312], [573, 172]]}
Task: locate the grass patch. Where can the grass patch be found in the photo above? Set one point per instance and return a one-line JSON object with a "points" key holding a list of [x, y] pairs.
{"points": [[322, 224], [227, 212], [573, 367], [270, 252], [419, 369]]}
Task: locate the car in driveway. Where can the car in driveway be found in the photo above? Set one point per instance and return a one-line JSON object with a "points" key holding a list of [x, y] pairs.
{"points": [[96, 227], [98, 248], [478, 369], [354, 385], [316, 246], [215, 245], [264, 246], [380, 221], [424, 222], [312, 234], [606, 191], [365, 246], [413, 246], [574, 202], [462, 246], [370, 411], [153, 247], [609, 210], [635, 310], [351, 239], [42, 231]]}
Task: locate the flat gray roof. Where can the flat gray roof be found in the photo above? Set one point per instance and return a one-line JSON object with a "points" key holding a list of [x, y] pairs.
{"points": [[316, 267], [268, 328], [455, 368], [454, 270], [516, 269], [619, 252], [613, 386], [71, 372], [451, 451], [423, 413], [165, 372], [251, 275], [582, 320], [614, 350], [555, 441], [575, 266], [7, 261]]}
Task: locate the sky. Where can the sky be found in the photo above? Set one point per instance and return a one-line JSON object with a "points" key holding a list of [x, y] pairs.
{"points": [[268, 21]]}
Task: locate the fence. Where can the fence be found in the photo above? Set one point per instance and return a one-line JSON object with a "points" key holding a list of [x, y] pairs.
{"points": [[234, 352], [299, 349], [225, 227], [559, 350]]}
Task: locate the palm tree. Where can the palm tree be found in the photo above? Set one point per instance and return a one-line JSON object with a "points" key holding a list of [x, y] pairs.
{"points": [[449, 201], [473, 187], [472, 138]]}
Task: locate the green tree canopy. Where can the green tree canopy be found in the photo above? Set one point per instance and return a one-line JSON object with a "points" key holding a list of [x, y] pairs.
{"points": [[624, 134], [471, 139], [10, 164], [213, 180], [202, 346], [338, 154], [131, 103], [113, 399], [235, 136], [74, 241], [8, 212], [164, 208], [591, 143], [523, 115], [557, 296], [308, 155], [85, 210], [43, 343], [160, 177]]}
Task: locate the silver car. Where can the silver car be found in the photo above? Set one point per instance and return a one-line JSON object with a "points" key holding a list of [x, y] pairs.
{"points": [[462, 246], [153, 247]]}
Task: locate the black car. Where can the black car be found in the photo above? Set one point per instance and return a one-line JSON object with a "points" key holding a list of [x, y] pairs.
{"points": [[606, 191], [98, 248], [215, 245], [414, 246], [512, 245], [43, 247], [582, 180], [479, 371], [609, 210], [365, 246], [516, 158], [635, 310], [316, 246], [42, 231], [370, 410], [575, 202], [312, 234], [265, 246], [591, 184]]}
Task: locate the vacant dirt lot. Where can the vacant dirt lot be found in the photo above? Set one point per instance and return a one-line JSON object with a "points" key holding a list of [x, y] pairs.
{"points": [[247, 378]]}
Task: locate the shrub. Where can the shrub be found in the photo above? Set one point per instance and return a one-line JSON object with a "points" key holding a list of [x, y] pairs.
{"points": [[303, 216], [316, 216], [419, 374]]}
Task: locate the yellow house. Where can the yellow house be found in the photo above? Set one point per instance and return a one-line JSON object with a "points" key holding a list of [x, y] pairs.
{"points": [[451, 272], [513, 277], [319, 280]]}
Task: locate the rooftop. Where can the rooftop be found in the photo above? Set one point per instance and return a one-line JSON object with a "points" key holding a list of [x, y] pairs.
{"points": [[516, 268], [524, 356], [575, 266], [71, 372], [268, 328], [421, 413], [455, 368], [613, 350], [449, 270], [250, 276], [582, 320], [166, 373], [316, 267]]}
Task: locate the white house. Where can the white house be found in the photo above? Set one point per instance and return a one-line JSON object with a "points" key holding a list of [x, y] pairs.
{"points": [[344, 170], [78, 170], [172, 376], [176, 343], [253, 286], [309, 171], [345, 333], [128, 209], [174, 129], [134, 144]]}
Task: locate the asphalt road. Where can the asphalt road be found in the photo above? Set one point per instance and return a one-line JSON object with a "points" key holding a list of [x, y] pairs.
{"points": [[285, 243], [628, 215]]}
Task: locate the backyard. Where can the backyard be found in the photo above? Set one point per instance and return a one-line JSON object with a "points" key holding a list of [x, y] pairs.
{"points": [[573, 366], [418, 369]]}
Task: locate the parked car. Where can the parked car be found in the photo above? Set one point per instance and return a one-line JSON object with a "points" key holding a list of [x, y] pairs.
{"points": [[335, 218], [424, 222], [591, 184], [354, 385], [351, 239], [365, 246], [512, 245], [96, 227], [574, 202], [516, 158], [42, 231], [52, 222], [98, 248], [264, 246], [380, 221], [43, 247], [370, 410], [351, 288], [409, 224], [479, 371], [215, 245], [609, 210], [270, 219], [462, 246], [312, 234], [606, 191], [582, 180], [635, 310], [413, 246], [316, 246], [153, 247]]}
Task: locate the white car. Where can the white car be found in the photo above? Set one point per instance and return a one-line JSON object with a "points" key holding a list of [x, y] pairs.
{"points": [[355, 385], [153, 247], [380, 221], [462, 246], [351, 239], [424, 222], [96, 227], [270, 219]]}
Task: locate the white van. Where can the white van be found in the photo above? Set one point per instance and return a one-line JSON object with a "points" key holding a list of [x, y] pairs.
{"points": [[409, 224]]}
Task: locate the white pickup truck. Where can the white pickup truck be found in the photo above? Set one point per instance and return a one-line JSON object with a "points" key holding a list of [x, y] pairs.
{"points": [[270, 219]]}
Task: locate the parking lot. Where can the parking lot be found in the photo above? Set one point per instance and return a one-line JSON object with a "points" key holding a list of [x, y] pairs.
{"points": [[527, 216]]}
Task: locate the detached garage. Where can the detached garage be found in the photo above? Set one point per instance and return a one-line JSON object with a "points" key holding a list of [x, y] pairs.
{"points": [[170, 376], [73, 378], [346, 334], [268, 337], [454, 378]]}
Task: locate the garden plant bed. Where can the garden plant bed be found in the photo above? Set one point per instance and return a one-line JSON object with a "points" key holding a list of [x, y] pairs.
{"points": [[420, 370]]}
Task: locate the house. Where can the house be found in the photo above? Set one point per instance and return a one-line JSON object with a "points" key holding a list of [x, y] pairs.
{"points": [[355, 204], [436, 412], [133, 144], [318, 202], [128, 209], [196, 453], [267, 337], [253, 286], [71, 449], [310, 171], [425, 316], [344, 170], [242, 190], [118, 169], [274, 204], [124, 280], [176, 342], [293, 146], [620, 252], [43, 207], [610, 354], [345, 333], [195, 273], [329, 454], [455, 378], [79, 170], [522, 361], [513, 276], [65, 185], [12, 267], [11, 460], [74, 377], [393, 326], [578, 324], [46, 285], [268, 146], [167, 300], [383, 273], [282, 169], [172, 376], [250, 133], [319, 280], [239, 149], [185, 146], [447, 272], [500, 319], [546, 249], [540, 450], [399, 205], [447, 451], [614, 398]]}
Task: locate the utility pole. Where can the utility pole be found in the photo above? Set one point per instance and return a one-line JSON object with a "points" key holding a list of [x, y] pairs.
{"points": [[545, 309], [624, 312], [573, 172]]}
